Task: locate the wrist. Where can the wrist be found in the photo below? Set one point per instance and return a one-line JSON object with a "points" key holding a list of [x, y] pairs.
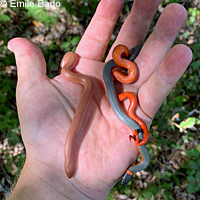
{"points": [[38, 181]]}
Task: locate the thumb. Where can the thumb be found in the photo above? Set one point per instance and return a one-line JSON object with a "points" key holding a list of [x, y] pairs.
{"points": [[31, 65]]}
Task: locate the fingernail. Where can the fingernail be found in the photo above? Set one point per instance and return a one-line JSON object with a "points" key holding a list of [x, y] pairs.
{"points": [[9, 47]]}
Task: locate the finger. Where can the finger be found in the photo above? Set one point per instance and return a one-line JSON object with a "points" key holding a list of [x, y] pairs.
{"points": [[30, 61], [160, 41], [136, 26], [97, 36], [153, 92]]}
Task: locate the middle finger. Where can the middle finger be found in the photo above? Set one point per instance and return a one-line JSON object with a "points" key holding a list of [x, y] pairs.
{"points": [[160, 41], [136, 25]]}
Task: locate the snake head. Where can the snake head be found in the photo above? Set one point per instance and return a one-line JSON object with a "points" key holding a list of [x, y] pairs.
{"points": [[126, 178]]}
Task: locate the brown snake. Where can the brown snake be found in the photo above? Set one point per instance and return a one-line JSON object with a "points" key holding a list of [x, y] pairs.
{"points": [[68, 62]]}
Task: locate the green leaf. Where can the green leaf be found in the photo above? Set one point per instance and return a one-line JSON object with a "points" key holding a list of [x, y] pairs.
{"points": [[191, 179], [110, 195], [192, 188], [65, 45], [3, 98], [168, 196], [176, 180], [4, 18], [147, 194], [166, 186], [197, 176], [40, 14], [166, 175], [193, 165], [75, 40], [140, 198], [8, 167], [158, 174], [188, 123], [150, 191], [196, 64], [198, 148], [127, 191]]}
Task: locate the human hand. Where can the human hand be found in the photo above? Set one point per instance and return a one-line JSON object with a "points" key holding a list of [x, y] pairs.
{"points": [[46, 106]]}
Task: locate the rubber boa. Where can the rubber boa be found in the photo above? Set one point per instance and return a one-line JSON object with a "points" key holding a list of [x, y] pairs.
{"points": [[68, 62]]}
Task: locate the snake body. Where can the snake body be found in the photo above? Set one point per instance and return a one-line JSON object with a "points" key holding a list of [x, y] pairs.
{"points": [[67, 64], [119, 52], [107, 74], [131, 114], [145, 159]]}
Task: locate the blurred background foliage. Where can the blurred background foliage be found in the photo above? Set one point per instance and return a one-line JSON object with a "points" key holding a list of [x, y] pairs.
{"points": [[174, 145]]}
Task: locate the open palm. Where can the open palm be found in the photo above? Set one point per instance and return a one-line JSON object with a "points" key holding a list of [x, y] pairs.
{"points": [[46, 106]]}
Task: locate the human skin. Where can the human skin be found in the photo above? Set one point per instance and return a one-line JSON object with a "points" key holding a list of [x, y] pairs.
{"points": [[46, 106]]}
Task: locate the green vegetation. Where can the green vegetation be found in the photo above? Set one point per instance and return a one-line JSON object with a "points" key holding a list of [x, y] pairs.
{"points": [[174, 146]]}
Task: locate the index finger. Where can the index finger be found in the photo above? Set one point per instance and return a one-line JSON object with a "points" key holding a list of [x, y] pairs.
{"points": [[95, 40]]}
